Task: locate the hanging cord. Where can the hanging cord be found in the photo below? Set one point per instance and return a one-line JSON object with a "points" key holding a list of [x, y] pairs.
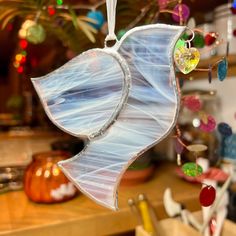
{"points": [[111, 20]]}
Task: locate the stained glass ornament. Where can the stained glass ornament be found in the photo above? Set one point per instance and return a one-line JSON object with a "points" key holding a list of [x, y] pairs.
{"points": [[224, 129], [209, 126], [181, 11], [192, 169], [186, 59], [222, 69], [209, 39], [35, 34], [207, 196], [113, 97], [198, 40], [98, 17], [197, 148], [192, 102]]}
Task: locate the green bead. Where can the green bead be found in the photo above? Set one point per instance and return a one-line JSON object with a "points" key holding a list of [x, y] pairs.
{"points": [[59, 2], [185, 37], [121, 33], [36, 34], [24, 53], [199, 41], [192, 169]]}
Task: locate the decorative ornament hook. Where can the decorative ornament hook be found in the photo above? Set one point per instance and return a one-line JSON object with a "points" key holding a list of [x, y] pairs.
{"points": [[111, 20]]}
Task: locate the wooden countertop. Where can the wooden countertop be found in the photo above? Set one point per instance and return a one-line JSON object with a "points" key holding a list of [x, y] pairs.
{"points": [[81, 216]]}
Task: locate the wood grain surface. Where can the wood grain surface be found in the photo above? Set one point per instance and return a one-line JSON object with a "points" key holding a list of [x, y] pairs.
{"points": [[81, 216]]}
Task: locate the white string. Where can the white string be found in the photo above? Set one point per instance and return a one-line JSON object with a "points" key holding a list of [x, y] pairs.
{"points": [[111, 19]]}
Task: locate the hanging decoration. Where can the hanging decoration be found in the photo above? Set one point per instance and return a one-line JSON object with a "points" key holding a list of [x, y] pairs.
{"points": [[119, 98], [181, 12], [224, 129], [98, 17], [186, 58], [207, 196], [117, 95], [192, 169], [35, 34], [222, 69], [209, 125], [192, 102]]}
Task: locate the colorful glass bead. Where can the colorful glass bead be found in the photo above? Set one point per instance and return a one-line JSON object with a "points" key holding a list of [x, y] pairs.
{"points": [[234, 32], [209, 39], [51, 10], [207, 196], [197, 148], [35, 34], [186, 59], [191, 169], [183, 10], [234, 4], [199, 41], [192, 102], [222, 69], [162, 4], [209, 126], [121, 33], [224, 129], [98, 17], [233, 10]]}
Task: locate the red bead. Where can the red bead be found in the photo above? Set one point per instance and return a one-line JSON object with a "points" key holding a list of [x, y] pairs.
{"points": [[209, 39], [20, 69], [23, 60], [207, 196], [234, 32], [10, 27], [51, 10], [233, 10], [23, 43]]}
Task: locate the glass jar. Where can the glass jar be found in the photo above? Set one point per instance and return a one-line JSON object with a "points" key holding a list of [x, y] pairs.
{"points": [[44, 182], [191, 134]]}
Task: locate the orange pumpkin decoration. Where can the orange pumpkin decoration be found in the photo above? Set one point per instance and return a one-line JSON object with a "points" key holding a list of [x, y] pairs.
{"points": [[44, 182]]}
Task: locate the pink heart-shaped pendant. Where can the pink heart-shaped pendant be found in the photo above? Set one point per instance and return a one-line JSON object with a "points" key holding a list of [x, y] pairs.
{"points": [[186, 59]]}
